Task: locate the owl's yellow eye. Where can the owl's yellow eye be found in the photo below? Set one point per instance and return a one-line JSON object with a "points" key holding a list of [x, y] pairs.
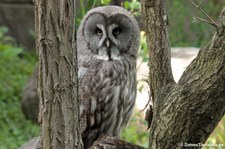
{"points": [[117, 31], [98, 31]]}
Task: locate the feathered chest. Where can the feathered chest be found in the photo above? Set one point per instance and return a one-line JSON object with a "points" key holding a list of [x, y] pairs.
{"points": [[107, 92], [100, 74]]}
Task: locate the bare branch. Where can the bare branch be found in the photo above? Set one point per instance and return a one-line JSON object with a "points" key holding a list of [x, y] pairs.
{"points": [[211, 22], [201, 4], [205, 21]]}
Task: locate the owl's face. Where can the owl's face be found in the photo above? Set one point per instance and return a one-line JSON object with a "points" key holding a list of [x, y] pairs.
{"points": [[109, 37]]}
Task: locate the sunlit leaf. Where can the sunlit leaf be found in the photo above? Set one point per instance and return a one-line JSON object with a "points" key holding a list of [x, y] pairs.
{"points": [[105, 2]]}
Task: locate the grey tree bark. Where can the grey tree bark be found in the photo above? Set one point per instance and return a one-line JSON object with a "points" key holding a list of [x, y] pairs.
{"points": [[57, 85], [187, 111]]}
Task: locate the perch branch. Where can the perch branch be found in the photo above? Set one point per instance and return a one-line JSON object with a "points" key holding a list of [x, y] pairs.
{"points": [[104, 142], [107, 142]]}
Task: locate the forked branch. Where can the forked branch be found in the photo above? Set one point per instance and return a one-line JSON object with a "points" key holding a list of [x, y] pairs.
{"points": [[210, 21]]}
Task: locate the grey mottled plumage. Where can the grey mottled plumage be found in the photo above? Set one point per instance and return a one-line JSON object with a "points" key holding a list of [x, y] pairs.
{"points": [[107, 44]]}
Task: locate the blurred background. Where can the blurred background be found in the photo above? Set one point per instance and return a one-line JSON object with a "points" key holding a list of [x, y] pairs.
{"points": [[18, 103]]}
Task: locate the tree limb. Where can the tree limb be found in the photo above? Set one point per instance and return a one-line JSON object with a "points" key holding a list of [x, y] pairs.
{"points": [[156, 20], [186, 112], [103, 142], [107, 142]]}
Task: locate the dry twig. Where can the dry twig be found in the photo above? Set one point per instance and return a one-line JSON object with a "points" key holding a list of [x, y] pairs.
{"points": [[210, 21]]}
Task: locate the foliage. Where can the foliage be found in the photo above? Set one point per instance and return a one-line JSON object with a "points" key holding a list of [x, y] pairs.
{"points": [[143, 49], [105, 2], [136, 132], [134, 6], [217, 137], [3, 38], [16, 66]]}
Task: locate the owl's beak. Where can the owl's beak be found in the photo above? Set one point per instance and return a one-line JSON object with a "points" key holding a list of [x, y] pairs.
{"points": [[108, 49], [107, 43]]}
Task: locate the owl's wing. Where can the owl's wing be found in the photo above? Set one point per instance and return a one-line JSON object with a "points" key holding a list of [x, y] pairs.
{"points": [[81, 73], [90, 109], [83, 107]]}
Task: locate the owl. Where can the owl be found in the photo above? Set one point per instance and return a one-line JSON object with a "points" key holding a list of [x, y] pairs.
{"points": [[107, 45]]}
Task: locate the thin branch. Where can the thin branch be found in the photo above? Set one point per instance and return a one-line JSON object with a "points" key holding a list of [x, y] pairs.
{"points": [[149, 100], [201, 4], [205, 21], [211, 22], [149, 95]]}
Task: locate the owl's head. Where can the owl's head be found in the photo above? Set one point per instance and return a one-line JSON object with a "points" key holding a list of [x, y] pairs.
{"points": [[110, 32]]}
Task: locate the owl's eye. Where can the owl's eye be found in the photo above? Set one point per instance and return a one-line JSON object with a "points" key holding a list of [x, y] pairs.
{"points": [[98, 31], [117, 31]]}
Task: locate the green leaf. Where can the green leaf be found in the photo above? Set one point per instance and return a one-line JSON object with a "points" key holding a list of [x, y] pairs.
{"points": [[4, 47], [105, 2], [4, 29], [11, 52], [127, 5], [137, 5]]}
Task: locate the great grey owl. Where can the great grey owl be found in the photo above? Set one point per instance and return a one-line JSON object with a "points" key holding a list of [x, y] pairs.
{"points": [[107, 45]]}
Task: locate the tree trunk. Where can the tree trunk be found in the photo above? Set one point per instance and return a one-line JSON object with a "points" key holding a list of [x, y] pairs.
{"points": [[184, 113], [57, 86]]}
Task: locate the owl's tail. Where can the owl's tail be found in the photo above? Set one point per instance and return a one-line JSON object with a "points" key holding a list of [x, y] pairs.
{"points": [[89, 137]]}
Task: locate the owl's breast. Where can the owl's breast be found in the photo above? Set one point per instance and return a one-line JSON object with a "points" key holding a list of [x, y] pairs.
{"points": [[107, 96]]}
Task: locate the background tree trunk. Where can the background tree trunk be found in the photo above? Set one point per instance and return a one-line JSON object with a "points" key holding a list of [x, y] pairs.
{"points": [[185, 112], [57, 86]]}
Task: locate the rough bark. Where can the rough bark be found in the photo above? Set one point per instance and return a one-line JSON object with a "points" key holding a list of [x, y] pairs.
{"points": [[156, 21], [107, 142], [57, 84], [185, 112]]}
